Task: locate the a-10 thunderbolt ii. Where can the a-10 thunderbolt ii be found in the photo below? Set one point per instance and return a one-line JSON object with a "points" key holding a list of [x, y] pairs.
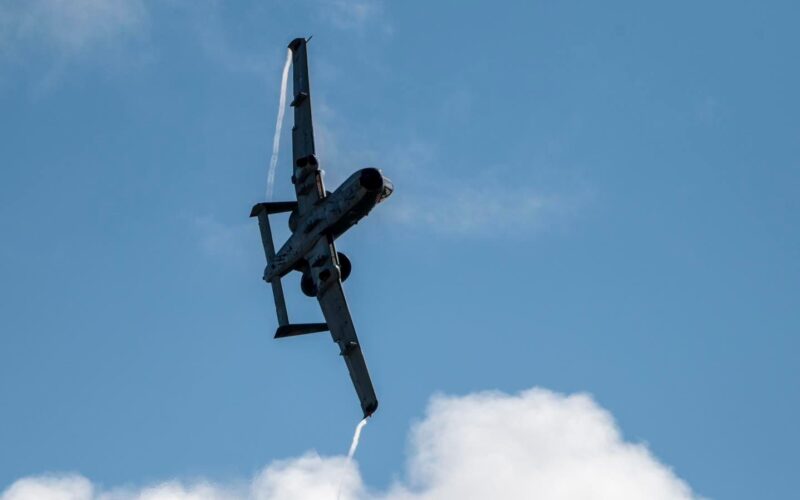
{"points": [[317, 218]]}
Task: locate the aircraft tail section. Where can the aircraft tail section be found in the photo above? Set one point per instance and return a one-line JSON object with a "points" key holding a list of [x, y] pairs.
{"points": [[262, 211], [273, 207]]}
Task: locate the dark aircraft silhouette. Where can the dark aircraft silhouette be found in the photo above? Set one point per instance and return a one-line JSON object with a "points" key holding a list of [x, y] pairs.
{"points": [[317, 219]]}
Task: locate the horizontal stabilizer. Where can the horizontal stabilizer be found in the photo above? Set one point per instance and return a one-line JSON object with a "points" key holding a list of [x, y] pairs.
{"points": [[300, 329], [273, 207]]}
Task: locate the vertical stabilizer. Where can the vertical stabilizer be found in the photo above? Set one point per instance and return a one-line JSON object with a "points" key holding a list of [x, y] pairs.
{"points": [[269, 252]]}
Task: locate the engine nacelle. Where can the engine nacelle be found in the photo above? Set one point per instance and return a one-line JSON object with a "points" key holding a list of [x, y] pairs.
{"points": [[307, 284], [293, 220], [345, 266]]}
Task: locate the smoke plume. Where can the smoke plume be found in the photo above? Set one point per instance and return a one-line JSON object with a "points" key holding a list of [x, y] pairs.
{"points": [[276, 141]]}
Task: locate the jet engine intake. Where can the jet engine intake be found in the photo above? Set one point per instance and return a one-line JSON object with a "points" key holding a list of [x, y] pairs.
{"points": [[345, 266], [371, 179]]}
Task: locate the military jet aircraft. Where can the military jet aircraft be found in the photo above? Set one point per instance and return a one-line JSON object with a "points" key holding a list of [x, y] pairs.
{"points": [[316, 219]]}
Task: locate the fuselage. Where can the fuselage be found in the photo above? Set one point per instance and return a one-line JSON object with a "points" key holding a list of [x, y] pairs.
{"points": [[331, 216]]}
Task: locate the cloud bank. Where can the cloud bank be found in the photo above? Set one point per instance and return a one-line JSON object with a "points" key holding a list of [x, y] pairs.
{"points": [[535, 444]]}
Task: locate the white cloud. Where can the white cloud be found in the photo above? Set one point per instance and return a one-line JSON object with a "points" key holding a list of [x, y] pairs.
{"points": [[50, 488], [71, 27], [477, 210], [349, 14], [355, 16], [536, 444], [215, 41], [495, 201], [64, 32], [221, 240]]}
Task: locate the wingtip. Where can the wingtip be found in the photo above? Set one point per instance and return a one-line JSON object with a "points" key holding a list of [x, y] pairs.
{"points": [[295, 44], [370, 409], [257, 209]]}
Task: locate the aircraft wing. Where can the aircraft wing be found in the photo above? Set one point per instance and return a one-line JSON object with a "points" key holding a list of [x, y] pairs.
{"points": [[340, 324], [309, 188], [307, 176]]}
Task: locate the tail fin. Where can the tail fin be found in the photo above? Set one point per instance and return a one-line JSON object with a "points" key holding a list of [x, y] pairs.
{"points": [[262, 210]]}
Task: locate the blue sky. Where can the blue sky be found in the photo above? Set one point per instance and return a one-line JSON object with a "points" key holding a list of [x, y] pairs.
{"points": [[590, 198]]}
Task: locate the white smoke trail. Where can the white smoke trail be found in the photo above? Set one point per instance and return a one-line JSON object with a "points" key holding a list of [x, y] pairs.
{"points": [[356, 436], [352, 452], [276, 141]]}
